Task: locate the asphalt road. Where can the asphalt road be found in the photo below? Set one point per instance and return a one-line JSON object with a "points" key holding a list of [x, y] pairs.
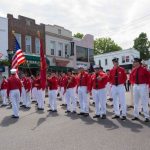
{"points": [[36, 130]]}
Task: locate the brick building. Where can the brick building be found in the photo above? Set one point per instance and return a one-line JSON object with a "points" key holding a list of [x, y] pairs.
{"points": [[26, 34]]}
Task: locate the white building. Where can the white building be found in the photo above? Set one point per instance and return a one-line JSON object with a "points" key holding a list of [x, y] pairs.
{"points": [[58, 46], [125, 58], [3, 37], [3, 44]]}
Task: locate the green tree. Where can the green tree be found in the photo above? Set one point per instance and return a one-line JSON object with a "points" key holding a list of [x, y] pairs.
{"points": [[78, 35], [142, 44], [105, 45]]}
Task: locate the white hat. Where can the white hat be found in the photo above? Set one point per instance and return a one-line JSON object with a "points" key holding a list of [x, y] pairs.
{"points": [[13, 71]]}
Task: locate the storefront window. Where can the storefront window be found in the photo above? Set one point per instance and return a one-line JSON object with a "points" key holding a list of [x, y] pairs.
{"points": [[91, 56], [82, 54]]}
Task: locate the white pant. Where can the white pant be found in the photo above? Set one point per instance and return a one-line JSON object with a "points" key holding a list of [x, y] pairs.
{"points": [[100, 101], [40, 98], [15, 97], [28, 99], [83, 98], [63, 96], [70, 99], [23, 96], [118, 95], [4, 96], [52, 99], [140, 92], [108, 90], [34, 92]]}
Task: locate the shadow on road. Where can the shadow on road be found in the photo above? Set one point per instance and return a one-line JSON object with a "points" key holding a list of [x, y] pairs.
{"points": [[135, 127], [40, 121], [7, 121]]}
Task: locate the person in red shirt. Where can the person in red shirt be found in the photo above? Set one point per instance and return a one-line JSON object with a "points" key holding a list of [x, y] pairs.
{"points": [[117, 78], [70, 92], [3, 88], [62, 83], [98, 84], [83, 88], [140, 78], [14, 92], [52, 83], [27, 87]]}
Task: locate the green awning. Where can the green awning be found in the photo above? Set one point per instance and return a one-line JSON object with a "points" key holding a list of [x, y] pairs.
{"points": [[35, 58], [59, 68]]}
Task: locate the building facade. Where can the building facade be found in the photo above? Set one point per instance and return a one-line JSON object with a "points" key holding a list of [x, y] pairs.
{"points": [[125, 58], [3, 46], [3, 37], [84, 50], [26, 33], [58, 47]]}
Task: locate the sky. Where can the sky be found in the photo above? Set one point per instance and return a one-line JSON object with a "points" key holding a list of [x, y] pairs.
{"points": [[122, 20]]}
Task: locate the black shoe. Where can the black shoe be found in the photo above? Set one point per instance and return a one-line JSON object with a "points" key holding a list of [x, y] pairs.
{"points": [[54, 110], [81, 113], [93, 103], [20, 103], [146, 120], [49, 110], [4, 105], [13, 116], [27, 107], [67, 111], [115, 117], [123, 118], [40, 108], [74, 112], [96, 116], [103, 116], [23, 106], [135, 118], [64, 105], [86, 114]]}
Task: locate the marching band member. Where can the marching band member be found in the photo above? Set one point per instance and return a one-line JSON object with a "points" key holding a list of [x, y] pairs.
{"points": [[98, 83], [83, 88], [140, 78], [27, 86], [14, 92], [52, 83], [117, 79], [70, 92], [62, 82], [23, 93], [3, 88]]}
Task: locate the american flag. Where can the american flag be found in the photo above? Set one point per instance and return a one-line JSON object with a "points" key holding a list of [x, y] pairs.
{"points": [[18, 57]]}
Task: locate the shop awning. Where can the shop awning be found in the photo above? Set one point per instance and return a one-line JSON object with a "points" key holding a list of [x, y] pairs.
{"points": [[59, 68]]}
